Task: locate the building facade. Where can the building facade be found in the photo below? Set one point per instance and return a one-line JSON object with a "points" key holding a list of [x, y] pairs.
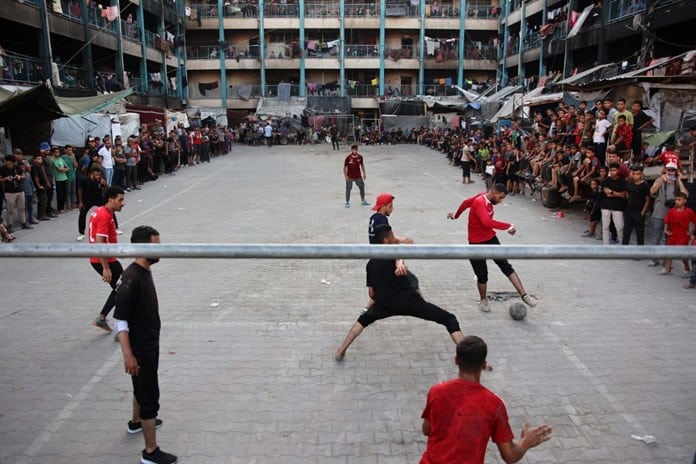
{"points": [[238, 52], [84, 47]]}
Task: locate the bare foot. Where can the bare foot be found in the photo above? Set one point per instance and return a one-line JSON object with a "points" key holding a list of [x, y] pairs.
{"points": [[339, 356], [689, 285]]}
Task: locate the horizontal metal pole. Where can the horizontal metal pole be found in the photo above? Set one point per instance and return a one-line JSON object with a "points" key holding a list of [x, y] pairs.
{"points": [[333, 251]]}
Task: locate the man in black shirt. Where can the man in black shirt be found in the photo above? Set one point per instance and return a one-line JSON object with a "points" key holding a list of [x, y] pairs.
{"points": [[395, 295], [640, 121], [613, 202], [636, 206], [90, 193], [138, 325], [12, 178]]}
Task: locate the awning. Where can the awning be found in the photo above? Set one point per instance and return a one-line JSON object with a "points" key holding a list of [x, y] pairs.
{"points": [[579, 76], [581, 20], [503, 93], [39, 103]]}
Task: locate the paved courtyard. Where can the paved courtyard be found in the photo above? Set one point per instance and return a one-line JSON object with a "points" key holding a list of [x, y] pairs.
{"points": [[247, 371]]}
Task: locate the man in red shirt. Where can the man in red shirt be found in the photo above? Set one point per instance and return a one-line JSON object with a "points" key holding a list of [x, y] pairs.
{"points": [[623, 136], [669, 156], [461, 415], [102, 229], [354, 171], [677, 230], [480, 231]]}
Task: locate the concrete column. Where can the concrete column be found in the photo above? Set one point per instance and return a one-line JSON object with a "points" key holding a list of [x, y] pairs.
{"points": [[421, 50], [382, 38], [523, 35], [118, 59], [342, 44], [45, 51], [506, 34], [87, 50], [221, 41], [143, 48], [262, 49], [303, 85], [542, 64], [462, 36]]}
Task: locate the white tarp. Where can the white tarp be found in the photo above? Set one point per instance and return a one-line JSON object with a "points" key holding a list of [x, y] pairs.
{"points": [[509, 109], [175, 118], [74, 130], [581, 20], [130, 124]]}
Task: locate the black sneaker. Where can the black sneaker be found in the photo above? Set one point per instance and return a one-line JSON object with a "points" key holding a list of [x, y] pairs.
{"points": [[157, 457], [137, 427]]}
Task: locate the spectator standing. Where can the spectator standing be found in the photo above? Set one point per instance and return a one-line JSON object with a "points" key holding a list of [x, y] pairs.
{"points": [[599, 138], [12, 178], [334, 137], [27, 185], [354, 172], [71, 186], [637, 205], [268, 134], [613, 202], [45, 150], [677, 230], [107, 161], [120, 160], [41, 184], [60, 176], [461, 415], [663, 192], [640, 122], [138, 326]]}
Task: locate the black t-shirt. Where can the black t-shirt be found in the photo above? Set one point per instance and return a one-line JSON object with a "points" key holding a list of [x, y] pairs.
{"points": [[136, 303], [375, 220], [390, 290], [638, 120], [636, 196], [14, 185], [92, 192], [613, 203]]}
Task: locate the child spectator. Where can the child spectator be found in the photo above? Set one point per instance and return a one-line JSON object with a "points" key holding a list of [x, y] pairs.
{"points": [[488, 173], [592, 206], [677, 223]]}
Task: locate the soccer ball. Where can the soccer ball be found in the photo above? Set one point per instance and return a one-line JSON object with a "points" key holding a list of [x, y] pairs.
{"points": [[518, 311]]}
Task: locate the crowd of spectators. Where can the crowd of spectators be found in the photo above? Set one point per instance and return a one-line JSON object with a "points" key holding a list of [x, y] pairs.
{"points": [[62, 180]]}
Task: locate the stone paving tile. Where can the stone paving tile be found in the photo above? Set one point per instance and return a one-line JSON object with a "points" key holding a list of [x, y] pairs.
{"points": [[247, 372]]}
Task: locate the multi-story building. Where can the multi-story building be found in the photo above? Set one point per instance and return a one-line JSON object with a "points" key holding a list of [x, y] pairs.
{"points": [[539, 37], [83, 47], [239, 51]]}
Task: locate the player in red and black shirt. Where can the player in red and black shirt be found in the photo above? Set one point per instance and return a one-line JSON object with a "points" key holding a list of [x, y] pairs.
{"points": [[481, 232], [101, 230], [354, 171]]}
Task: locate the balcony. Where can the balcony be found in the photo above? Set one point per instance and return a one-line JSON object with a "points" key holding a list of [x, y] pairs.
{"points": [[480, 52], [621, 9], [73, 77], [275, 10], [361, 51], [361, 10], [321, 10], [130, 31], [69, 9], [203, 52], [531, 42], [440, 90], [21, 69], [477, 11], [206, 11], [272, 91], [244, 92], [95, 18]]}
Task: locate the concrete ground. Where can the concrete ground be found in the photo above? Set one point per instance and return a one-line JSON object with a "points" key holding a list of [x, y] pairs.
{"points": [[247, 373]]}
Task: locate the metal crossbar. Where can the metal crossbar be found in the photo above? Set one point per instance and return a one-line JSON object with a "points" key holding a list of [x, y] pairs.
{"points": [[333, 251]]}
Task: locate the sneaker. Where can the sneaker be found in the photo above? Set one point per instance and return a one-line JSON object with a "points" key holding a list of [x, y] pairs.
{"points": [[365, 203], [102, 324], [653, 263], [598, 237], [587, 234], [686, 275], [136, 427], [664, 271], [157, 457], [119, 232], [80, 237], [33, 222], [26, 226], [529, 301], [484, 306], [347, 205]]}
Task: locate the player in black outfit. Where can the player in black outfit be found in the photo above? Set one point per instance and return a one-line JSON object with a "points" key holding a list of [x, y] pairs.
{"points": [[395, 295], [138, 325]]}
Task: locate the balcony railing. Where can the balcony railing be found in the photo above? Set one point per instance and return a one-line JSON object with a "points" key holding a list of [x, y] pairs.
{"points": [[276, 10], [204, 11], [621, 9], [361, 10], [72, 77], [107, 82], [474, 11], [244, 91], [361, 51], [95, 18], [130, 31], [136, 84], [212, 52], [150, 39], [321, 10], [480, 52], [440, 90], [272, 90], [68, 9], [21, 69], [442, 10], [530, 42]]}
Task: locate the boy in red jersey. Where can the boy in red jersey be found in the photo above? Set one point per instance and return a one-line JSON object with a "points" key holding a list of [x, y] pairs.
{"points": [[461, 415], [102, 230], [481, 232], [677, 226]]}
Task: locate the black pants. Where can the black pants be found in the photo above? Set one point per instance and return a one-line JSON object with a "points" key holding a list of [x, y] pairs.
{"points": [[481, 268], [116, 271], [145, 384], [466, 168], [416, 307], [61, 192], [633, 219]]}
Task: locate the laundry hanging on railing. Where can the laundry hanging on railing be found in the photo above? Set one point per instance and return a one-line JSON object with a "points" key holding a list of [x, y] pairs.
{"points": [[204, 87]]}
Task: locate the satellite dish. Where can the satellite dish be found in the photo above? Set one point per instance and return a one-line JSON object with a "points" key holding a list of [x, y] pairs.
{"points": [[637, 21]]}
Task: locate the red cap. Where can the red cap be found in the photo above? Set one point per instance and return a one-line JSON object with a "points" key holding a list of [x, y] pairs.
{"points": [[383, 199]]}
